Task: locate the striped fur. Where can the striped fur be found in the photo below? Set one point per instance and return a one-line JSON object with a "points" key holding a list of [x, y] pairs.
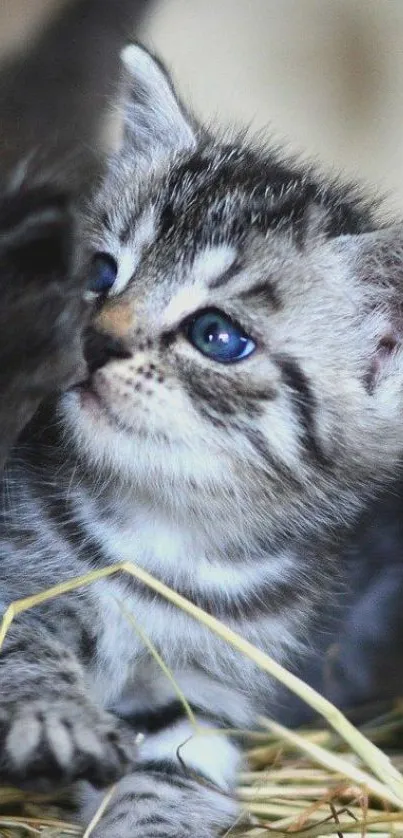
{"points": [[234, 484]]}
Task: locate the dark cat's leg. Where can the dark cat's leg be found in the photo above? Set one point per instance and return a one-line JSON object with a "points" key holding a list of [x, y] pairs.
{"points": [[52, 103], [42, 311], [51, 731], [54, 96]]}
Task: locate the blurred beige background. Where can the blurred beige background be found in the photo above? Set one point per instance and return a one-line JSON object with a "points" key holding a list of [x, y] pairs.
{"points": [[326, 76]]}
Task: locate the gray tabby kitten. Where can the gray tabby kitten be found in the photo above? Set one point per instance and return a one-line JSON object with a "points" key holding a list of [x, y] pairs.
{"points": [[244, 400]]}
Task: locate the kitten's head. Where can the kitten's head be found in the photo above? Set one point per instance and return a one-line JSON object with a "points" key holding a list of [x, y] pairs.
{"points": [[250, 319]]}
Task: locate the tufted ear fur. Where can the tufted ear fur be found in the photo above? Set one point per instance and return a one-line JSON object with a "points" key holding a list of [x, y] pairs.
{"points": [[379, 252], [376, 260], [154, 121]]}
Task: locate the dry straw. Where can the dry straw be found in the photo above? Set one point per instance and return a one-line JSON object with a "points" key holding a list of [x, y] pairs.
{"points": [[290, 795]]}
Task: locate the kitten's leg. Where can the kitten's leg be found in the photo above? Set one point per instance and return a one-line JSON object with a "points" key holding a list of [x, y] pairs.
{"points": [[51, 732], [163, 798]]}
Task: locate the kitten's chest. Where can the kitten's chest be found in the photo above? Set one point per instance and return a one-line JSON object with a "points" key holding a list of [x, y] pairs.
{"points": [[131, 623], [129, 612], [178, 552], [165, 548]]}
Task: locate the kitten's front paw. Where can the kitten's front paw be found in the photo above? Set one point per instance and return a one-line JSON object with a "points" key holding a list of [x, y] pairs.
{"points": [[44, 745], [151, 803]]}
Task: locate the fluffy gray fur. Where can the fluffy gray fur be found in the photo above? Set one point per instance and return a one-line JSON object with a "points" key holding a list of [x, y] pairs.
{"points": [[232, 483]]}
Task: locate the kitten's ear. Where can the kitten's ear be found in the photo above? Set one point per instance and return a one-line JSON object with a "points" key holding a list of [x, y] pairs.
{"points": [[154, 121], [377, 257]]}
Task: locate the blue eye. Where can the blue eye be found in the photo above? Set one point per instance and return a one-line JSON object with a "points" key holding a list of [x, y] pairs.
{"points": [[217, 337], [103, 273]]}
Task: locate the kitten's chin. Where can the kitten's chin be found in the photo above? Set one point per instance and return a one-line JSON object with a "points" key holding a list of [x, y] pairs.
{"points": [[89, 404], [91, 409], [89, 420], [145, 458], [104, 439]]}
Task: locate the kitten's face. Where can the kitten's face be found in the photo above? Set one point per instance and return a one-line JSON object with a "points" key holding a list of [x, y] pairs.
{"points": [[263, 354]]}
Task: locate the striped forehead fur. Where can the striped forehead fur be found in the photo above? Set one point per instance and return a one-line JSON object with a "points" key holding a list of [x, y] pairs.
{"points": [[235, 186]]}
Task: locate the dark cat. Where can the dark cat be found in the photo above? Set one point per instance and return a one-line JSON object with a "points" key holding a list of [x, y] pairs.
{"points": [[53, 103]]}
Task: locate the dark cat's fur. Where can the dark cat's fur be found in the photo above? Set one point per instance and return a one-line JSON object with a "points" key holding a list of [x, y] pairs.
{"points": [[55, 94], [355, 652], [54, 101], [234, 482], [42, 309]]}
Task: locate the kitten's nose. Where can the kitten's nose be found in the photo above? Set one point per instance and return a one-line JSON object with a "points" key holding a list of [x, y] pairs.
{"points": [[100, 348]]}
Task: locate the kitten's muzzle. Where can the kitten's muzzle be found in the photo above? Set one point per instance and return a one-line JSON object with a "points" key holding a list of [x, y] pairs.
{"points": [[101, 348]]}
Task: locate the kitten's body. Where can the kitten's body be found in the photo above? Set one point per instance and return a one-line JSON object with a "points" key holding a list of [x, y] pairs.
{"points": [[232, 483]]}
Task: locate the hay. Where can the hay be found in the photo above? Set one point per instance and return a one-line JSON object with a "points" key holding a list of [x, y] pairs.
{"points": [[312, 782]]}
